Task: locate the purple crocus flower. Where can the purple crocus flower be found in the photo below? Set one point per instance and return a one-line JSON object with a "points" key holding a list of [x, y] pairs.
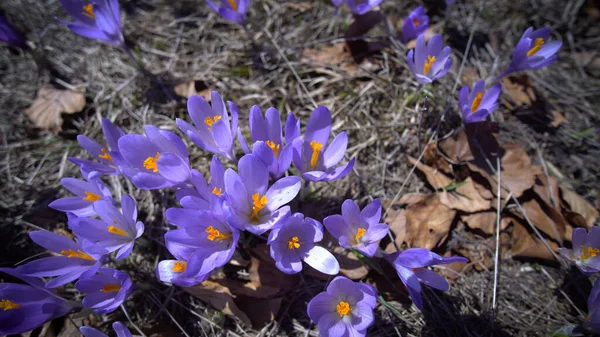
{"points": [[337, 3], [586, 250], [255, 207], [157, 160], [119, 328], [10, 35], [71, 263], [478, 104], [411, 266], [313, 157], [294, 242], [87, 193], [204, 242], [533, 51], [268, 139], [360, 7], [96, 19], [106, 290], [231, 10], [344, 309], [107, 156], [358, 229], [25, 307], [116, 230], [592, 320], [415, 24], [198, 197], [213, 132], [428, 61]]}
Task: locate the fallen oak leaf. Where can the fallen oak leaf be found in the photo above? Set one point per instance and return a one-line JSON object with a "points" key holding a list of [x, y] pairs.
{"points": [[464, 198], [434, 177], [428, 222], [220, 298], [45, 111], [484, 221], [575, 203]]}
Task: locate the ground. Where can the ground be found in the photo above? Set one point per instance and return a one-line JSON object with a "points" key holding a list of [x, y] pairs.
{"points": [[184, 41]]}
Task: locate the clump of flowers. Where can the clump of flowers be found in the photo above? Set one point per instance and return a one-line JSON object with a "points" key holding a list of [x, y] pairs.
{"points": [[98, 20], [533, 51]]}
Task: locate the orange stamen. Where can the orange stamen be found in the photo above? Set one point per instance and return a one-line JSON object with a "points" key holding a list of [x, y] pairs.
{"points": [[217, 191], [210, 121], [214, 234], [8, 305], [316, 148], [179, 266], [343, 308], [536, 46], [259, 204], [294, 243], [428, 63], [476, 102], [89, 196], [88, 11], [110, 287], [105, 155], [118, 231], [150, 163], [78, 254], [274, 147]]}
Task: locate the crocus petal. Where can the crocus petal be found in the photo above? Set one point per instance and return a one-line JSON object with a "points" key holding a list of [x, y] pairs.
{"points": [[322, 260], [254, 174], [236, 192], [336, 150], [319, 126], [283, 191], [173, 167], [119, 327], [91, 332], [432, 279], [320, 305]]}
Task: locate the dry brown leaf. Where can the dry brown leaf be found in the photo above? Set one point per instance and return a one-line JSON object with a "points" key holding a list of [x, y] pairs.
{"points": [[435, 159], [45, 110], [518, 90], [479, 251], [465, 198], [336, 56], [547, 187], [574, 202], [397, 222], [484, 221], [518, 173], [220, 298], [546, 219], [411, 198], [526, 244], [428, 222], [188, 89], [456, 147], [436, 179], [263, 271], [470, 76], [587, 59]]}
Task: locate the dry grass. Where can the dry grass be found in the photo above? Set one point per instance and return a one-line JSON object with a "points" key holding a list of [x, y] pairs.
{"points": [[185, 41]]}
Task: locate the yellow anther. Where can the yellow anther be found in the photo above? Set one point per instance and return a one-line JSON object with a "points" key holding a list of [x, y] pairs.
{"points": [[294, 243], [78, 254], [536, 46], [150, 163], [8, 305], [233, 5], [259, 204], [88, 11], [89, 196], [274, 147], [110, 288], [476, 102], [118, 231], [179, 266], [214, 234], [416, 22], [428, 63], [316, 148], [105, 155], [210, 121], [217, 191], [343, 308], [359, 234], [588, 252]]}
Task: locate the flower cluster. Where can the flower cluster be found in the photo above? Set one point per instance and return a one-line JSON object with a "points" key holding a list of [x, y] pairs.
{"points": [[253, 197], [100, 226]]}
